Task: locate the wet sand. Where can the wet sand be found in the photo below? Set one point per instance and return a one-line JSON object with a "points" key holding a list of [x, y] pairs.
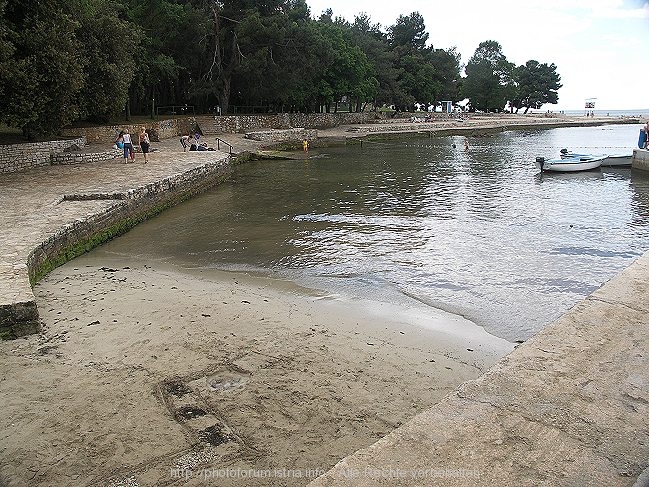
{"points": [[143, 375]]}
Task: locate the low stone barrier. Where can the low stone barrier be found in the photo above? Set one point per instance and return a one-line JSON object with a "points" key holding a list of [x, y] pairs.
{"points": [[19, 157], [246, 123], [85, 157], [290, 135], [158, 130]]}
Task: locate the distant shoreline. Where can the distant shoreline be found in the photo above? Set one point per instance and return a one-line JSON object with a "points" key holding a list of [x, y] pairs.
{"points": [[473, 125]]}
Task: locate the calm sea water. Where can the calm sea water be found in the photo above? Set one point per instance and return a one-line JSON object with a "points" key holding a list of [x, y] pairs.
{"points": [[475, 232]]}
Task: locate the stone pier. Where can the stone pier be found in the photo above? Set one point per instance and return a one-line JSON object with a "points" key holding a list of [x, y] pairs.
{"points": [[640, 159], [51, 214]]}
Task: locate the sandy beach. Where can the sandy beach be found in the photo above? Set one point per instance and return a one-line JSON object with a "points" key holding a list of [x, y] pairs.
{"points": [[146, 373]]}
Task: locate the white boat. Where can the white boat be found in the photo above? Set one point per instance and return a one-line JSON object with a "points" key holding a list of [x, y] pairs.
{"points": [[618, 160], [610, 160], [570, 164]]}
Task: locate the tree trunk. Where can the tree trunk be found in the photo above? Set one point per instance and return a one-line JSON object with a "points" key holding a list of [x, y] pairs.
{"points": [[225, 96]]}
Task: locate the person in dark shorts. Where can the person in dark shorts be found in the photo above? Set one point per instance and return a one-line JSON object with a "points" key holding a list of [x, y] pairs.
{"points": [[145, 143]]}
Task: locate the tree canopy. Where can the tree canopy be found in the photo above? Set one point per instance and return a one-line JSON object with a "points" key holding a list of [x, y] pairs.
{"points": [[101, 60], [492, 82]]}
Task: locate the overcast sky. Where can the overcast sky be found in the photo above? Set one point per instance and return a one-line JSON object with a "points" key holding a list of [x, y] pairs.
{"points": [[600, 47]]}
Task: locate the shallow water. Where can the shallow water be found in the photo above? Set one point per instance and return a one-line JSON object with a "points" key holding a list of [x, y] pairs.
{"points": [[474, 232]]}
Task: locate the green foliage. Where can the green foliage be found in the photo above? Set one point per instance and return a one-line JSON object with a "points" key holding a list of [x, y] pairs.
{"points": [[409, 31], [488, 82], [62, 62], [537, 84], [43, 75], [106, 45], [492, 81]]}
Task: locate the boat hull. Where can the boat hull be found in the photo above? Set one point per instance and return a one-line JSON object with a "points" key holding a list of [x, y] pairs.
{"points": [[618, 160], [574, 164]]}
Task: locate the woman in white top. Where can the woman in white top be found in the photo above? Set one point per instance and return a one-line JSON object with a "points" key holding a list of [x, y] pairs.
{"points": [[128, 146]]}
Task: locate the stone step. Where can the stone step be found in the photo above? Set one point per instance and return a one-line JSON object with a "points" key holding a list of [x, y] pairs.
{"points": [[207, 125]]}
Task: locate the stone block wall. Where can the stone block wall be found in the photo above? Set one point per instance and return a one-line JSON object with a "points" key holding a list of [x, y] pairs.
{"points": [[18, 157], [158, 130], [289, 135], [130, 208], [246, 123], [85, 157], [640, 159]]}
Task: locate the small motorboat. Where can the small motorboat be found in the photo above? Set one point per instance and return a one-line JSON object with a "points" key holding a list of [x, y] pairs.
{"points": [[583, 162], [618, 160], [610, 160]]}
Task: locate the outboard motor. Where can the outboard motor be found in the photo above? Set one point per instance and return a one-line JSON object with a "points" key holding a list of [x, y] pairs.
{"points": [[539, 162]]}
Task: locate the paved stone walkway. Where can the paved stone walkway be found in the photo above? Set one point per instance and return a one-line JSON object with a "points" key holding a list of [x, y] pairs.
{"points": [[33, 207]]}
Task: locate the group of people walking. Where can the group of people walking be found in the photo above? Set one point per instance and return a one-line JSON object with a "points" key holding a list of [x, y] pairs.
{"points": [[125, 141]]}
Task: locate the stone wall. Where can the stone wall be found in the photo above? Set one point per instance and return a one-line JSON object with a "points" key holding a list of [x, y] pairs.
{"points": [[159, 130], [18, 157], [245, 123], [640, 159], [131, 207], [290, 135], [85, 157]]}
